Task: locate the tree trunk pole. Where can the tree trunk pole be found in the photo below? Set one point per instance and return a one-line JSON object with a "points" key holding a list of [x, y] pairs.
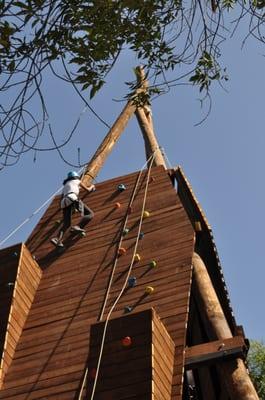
{"points": [[151, 144], [104, 149], [144, 118], [234, 372]]}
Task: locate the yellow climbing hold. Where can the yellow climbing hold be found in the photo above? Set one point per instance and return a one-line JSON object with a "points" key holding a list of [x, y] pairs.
{"points": [[146, 214], [149, 290], [137, 257]]}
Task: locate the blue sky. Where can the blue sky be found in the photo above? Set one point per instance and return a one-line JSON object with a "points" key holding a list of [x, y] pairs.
{"points": [[223, 158]]}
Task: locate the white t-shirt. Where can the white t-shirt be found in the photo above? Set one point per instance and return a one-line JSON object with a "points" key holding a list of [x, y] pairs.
{"points": [[70, 192]]}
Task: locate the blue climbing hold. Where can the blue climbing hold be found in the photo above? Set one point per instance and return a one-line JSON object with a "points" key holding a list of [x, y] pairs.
{"points": [[121, 187], [127, 309], [141, 235], [125, 231], [132, 281]]}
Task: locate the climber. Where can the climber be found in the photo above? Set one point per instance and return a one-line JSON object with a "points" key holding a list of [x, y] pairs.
{"points": [[69, 202]]}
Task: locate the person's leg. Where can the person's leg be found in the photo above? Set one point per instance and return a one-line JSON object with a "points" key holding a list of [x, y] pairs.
{"points": [[88, 214], [67, 217]]}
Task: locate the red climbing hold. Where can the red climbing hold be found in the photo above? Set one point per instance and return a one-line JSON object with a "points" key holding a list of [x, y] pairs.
{"points": [[126, 341]]}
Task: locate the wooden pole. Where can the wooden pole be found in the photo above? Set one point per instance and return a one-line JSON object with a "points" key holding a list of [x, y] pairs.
{"points": [[151, 143], [104, 149], [144, 118], [234, 372]]}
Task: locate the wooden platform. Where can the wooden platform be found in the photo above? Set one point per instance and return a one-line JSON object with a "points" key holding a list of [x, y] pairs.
{"points": [[52, 351]]}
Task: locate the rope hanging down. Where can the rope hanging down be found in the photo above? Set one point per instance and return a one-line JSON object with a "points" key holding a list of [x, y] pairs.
{"points": [[151, 159]]}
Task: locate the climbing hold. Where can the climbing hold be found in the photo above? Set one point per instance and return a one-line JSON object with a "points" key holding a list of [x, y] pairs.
{"points": [[137, 257], [83, 234], [92, 373], [127, 309], [121, 187], [10, 285], [117, 205], [121, 251], [149, 290], [141, 235], [126, 341], [152, 264], [132, 281], [15, 254], [57, 222], [146, 214], [125, 231]]}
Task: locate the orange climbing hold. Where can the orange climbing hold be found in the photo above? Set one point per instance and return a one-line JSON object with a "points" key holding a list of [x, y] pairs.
{"points": [[117, 205], [121, 251]]}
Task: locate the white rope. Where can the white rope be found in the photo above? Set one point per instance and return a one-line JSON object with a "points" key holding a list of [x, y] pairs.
{"points": [[165, 156], [29, 218], [34, 213], [125, 281]]}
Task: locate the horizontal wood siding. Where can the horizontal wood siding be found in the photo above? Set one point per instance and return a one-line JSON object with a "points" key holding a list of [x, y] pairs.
{"points": [[149, 359], [52, 351]]}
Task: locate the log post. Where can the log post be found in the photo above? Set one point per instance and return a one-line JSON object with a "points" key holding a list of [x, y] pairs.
{"points": [[150, 140], [144, 118], [236, 377], [104, 149]]}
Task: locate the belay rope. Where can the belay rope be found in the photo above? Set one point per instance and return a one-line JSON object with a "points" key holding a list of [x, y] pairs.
{"points": [[151, 159]]}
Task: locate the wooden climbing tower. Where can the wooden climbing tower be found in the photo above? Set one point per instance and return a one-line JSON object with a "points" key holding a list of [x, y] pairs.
{"points": [[136, 310]]}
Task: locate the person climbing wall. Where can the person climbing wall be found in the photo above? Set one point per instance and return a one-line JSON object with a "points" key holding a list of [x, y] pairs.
{"points": [[70, 202]]}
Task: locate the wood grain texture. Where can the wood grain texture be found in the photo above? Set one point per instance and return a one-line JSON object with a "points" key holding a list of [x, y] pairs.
{"points": [[26, 276], [149, 357], [52, 350]]}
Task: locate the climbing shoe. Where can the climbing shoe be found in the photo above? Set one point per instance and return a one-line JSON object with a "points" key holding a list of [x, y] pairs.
{"points": [[77, 229], [56, 242]]}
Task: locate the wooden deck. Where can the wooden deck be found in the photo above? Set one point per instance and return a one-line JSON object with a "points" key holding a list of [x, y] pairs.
{"points": [[52, 351]]}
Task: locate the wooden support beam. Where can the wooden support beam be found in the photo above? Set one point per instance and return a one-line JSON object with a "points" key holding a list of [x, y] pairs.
{"points": [[104, 149], [151, 144], [234, 372], [144, 118], [209, 353]]}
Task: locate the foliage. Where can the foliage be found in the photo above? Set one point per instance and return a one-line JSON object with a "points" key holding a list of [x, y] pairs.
{"points": [[81, 40], [256, 363]]}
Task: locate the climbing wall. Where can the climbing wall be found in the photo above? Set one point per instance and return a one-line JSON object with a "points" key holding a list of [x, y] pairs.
{"points": [[53, 349]]}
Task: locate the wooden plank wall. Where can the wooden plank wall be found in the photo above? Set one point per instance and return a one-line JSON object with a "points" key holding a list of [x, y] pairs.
{"points": [[143, 370], [9, 259], [162, 360], [26, 282], [52, 352]]}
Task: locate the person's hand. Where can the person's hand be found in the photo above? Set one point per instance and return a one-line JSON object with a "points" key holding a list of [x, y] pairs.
{"points": [[91, 188]]}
